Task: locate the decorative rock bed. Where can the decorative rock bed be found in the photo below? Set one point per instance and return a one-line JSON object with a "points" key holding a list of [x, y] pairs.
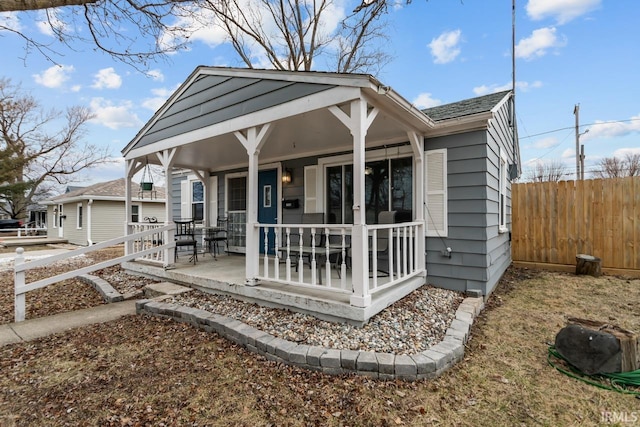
{"points": [[387, 366]]}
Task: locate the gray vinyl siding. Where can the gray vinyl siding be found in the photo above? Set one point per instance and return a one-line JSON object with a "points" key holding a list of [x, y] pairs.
{"points": [[214, 99], [52, 227], [480, 253], [175, 196], [107, 218]]}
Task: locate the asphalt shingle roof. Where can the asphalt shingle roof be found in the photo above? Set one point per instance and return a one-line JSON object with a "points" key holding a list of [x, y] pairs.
{"points": [[467, 107], [113, 189]]}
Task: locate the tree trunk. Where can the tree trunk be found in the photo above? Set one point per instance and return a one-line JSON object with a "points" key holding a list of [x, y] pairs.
{"points": [[587, 264], [629, 341]]}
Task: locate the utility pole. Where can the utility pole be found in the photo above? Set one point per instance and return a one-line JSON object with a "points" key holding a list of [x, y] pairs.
{"points": [[582, 161], [576, 112]]}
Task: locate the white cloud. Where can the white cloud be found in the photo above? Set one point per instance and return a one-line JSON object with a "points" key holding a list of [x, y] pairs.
{"points": [[569, 153], [546, 143], [562, 11], [425, 100], [161, 96], [76, 88], [54, 76], [445, 48], [10, 20], [114, 116], [522, 86], [156, 75], [538, 43], [611, 129], [621, 152], [198, 25], [107, 78], [48, 23]]}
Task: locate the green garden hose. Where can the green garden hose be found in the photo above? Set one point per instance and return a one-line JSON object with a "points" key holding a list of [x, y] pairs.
{"points": [[623, 382]]}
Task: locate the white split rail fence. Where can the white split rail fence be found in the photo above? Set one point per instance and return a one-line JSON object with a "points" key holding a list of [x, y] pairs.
{"points": [[142, 250]]}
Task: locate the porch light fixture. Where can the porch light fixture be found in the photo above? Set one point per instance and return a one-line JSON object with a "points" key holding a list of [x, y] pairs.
{"points": [[287, 176]]}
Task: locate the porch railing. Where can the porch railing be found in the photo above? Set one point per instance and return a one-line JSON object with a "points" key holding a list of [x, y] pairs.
{"points": [[306, 254], [319, 255], [21, 267], [150, 235], [397, 259]]}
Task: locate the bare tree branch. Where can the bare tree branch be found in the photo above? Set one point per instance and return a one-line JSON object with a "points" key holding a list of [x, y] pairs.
{"points": [[37, 155], [552, 171], [103, 21], [615, 167]]}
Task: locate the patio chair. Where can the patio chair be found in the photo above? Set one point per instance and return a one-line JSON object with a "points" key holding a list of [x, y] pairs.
{"points": [[382, 242], [217, 236], [185, 236]]}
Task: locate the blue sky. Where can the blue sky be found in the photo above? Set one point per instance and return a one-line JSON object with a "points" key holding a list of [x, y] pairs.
{"points": [[568, 52]]}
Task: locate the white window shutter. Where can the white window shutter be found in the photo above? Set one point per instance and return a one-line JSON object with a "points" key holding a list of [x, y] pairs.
{"points": [[213, 200], [436, 193], [310, 189], [185, 199]]}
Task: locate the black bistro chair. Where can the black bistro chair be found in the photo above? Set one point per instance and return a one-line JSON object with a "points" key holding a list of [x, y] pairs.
{"points": [[186, 237], [382, 243], [217, 236]]}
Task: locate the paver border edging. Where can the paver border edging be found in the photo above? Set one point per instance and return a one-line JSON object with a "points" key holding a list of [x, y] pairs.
{"points": [[428, 364], [108, 292]]}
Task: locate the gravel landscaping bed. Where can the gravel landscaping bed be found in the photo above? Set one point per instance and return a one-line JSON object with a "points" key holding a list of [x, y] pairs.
{"points": [[409, 326]]}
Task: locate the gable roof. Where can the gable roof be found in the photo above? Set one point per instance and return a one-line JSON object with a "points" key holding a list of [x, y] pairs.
{"points": [[467, 107], [110, 190], [217, 101]]}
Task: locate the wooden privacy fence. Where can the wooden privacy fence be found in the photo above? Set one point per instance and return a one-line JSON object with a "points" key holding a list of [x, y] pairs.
{"points": [[552, 222]]}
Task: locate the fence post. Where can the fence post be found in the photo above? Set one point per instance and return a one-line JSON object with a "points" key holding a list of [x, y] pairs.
{"points": [[19, 281]]}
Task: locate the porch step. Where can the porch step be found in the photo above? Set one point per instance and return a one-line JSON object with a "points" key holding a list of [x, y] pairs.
{"points": [[154, 290]]}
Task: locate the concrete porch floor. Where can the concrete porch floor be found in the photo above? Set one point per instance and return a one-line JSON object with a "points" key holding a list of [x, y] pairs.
{"points": [[226, 275]]}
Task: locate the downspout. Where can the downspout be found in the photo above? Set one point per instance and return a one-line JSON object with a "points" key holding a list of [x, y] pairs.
{"points": [[89, 240]]}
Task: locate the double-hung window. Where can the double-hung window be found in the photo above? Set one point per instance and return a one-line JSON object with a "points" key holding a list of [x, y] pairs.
{"points": [[197, 200], [502, 196], [388, 186]]}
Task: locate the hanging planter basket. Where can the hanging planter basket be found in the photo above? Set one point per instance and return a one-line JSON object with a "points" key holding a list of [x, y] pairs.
{"points": [[146, 183]]}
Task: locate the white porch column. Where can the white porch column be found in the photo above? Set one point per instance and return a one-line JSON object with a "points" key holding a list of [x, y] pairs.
{"points": [[358, 122], [253, 141], [132, 167], [166, 158], [417, 145]]}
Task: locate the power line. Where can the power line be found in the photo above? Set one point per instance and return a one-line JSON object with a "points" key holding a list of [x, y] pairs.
{"points": [[573, 127]]}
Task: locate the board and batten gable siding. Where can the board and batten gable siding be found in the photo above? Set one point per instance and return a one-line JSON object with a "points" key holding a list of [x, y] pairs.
{"points": [[214, 99]]}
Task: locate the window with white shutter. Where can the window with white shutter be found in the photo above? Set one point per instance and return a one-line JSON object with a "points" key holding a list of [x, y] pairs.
{"points": [[310, 189], [436, 193]]}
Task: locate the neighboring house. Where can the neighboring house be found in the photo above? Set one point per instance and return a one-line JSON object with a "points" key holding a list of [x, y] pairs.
{"points": [[262, 148], [93, 214]]}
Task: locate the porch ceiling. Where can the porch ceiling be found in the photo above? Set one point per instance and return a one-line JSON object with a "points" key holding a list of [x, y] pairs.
{"points": [[307, 134]]}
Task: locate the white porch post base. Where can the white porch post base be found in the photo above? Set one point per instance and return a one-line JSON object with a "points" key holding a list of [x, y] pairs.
{"points": [[251, 282], [360, 301]]}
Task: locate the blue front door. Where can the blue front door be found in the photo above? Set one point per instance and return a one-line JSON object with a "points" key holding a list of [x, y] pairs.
{"points": [[268, 205]]}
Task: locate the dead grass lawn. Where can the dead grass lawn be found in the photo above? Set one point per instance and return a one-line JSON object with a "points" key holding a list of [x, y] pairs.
{"points": [[147, 371]]}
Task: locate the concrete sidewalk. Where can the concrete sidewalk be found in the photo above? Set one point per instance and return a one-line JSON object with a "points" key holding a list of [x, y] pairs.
{"points": [[31, 329]]}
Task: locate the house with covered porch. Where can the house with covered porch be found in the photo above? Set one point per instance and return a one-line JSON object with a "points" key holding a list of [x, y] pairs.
{"points": [[340, 196]]}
